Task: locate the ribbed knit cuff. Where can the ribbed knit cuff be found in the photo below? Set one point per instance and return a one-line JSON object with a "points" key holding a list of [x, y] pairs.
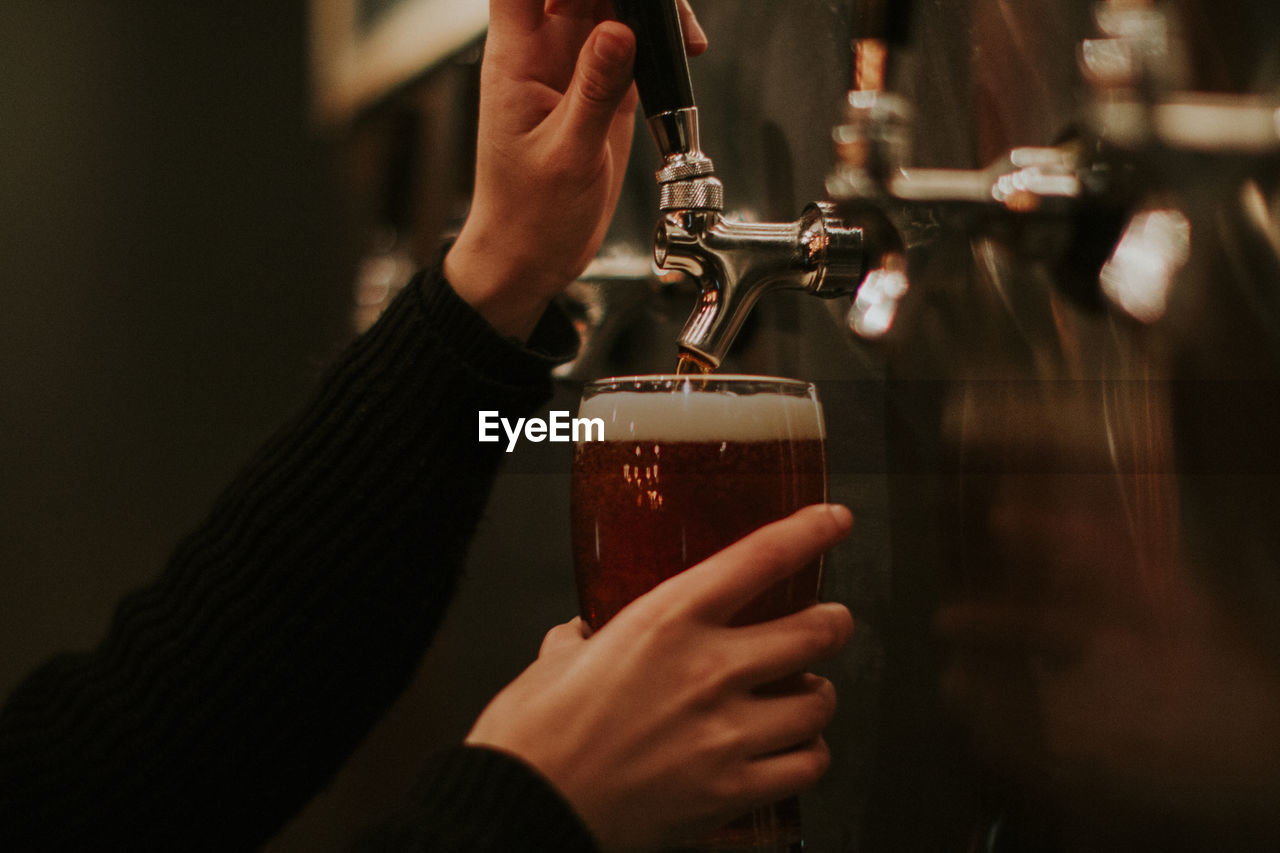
{"points": [[471, 338], [477, 800]]}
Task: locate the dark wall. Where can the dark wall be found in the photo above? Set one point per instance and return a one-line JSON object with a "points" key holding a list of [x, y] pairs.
{"points": [[172, 275]]}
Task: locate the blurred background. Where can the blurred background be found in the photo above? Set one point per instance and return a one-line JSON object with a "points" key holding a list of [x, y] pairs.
{"points": [[176, 260]]}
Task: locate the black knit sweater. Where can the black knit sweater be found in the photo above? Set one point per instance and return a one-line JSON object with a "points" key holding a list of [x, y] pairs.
{"points": [[228, 692]]}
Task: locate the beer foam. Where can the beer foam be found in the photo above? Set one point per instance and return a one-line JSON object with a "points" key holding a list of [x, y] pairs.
{"points": [[682, 415]]}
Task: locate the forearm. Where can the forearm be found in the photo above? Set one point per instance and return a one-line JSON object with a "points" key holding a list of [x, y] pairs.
{"points": [[230, 690]]}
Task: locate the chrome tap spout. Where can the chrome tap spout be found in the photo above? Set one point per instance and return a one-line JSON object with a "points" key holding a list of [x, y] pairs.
{"points": [[738, 262]]}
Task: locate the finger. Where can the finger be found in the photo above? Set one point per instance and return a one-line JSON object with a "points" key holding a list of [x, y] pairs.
{"points": [[773, 777], [780, 722], [566, 635], [523, 15], [601, 81], [720, 586], [586, 9], [695, 38], [769, 651]]}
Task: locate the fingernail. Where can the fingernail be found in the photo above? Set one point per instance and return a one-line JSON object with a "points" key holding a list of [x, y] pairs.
{"points": [[841, 515]]}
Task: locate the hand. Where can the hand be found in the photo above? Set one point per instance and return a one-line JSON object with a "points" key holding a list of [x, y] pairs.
{"points": [[656, 728], [557, 110]]}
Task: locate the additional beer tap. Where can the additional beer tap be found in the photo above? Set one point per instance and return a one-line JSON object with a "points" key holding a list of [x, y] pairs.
{"points": [[735, 263], [1076, 205], [1072, 206], [1049, 203]]}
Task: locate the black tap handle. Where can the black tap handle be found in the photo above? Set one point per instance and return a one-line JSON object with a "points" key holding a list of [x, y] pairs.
{"points": [[897, 25], [887, 20], [661, 68]]}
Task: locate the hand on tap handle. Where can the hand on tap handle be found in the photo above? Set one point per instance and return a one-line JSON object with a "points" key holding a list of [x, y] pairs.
{"points": [[662, 73], [556, 117]]}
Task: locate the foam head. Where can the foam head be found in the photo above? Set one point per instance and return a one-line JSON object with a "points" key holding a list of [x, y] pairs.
{"points": [[697, 410]]}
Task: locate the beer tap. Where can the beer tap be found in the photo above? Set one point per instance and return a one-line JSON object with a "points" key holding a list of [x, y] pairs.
{"points": [[1046, 203], [734, 262], [1079, 205]]}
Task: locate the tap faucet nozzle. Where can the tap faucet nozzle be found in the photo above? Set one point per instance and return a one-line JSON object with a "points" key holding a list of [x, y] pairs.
{"points": [[738, 262]]}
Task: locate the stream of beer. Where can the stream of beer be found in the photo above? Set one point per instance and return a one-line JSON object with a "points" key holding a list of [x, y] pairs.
{"points": [[689, 363]]}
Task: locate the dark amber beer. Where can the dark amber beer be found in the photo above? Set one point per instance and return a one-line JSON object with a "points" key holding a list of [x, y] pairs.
{"points": [[687, 466]]}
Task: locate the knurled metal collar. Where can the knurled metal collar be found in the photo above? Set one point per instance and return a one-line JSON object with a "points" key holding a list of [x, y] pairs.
{"points": [[694, 194], [681, 169]]}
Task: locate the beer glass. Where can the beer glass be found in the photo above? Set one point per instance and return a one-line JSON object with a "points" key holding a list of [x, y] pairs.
{"points": [[687, 465]]}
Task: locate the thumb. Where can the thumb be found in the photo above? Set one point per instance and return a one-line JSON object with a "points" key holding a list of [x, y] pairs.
{"points": [[600, 82], [564, 636]]}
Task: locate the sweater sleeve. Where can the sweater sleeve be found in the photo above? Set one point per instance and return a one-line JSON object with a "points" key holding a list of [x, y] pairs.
{"points": [[229, 691], [477, 800]]}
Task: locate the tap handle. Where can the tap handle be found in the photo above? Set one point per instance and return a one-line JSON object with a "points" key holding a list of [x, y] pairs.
{"points": [[886, 20], [661, 68], [897, 25]]}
